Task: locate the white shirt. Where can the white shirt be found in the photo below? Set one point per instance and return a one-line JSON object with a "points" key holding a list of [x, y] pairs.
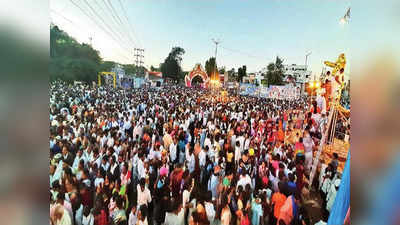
{"points": [[241, 141], [65, 219], [98, 181], [89, 220], [185, 198], [207, 142], [141, 170], [172, 152], [173, 219], [243, 181], [202, 158], [210, 211], [321, 103], [247, 144], [132, 219], [143, 197]]}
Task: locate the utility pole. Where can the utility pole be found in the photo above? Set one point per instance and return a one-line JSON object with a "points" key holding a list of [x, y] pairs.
{"points": [[307, 57], [139, 54], [90, 41], [216, 42]]}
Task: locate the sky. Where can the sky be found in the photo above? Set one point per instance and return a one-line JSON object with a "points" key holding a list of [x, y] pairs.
{"points": [[252, 33]]}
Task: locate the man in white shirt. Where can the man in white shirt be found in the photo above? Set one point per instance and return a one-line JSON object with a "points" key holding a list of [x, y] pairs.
{"points": [[190, 159], [321, 103], [172, 151], [202, 158], [241, 142], [140, 167], [143, 193], [79, 156], [243, 181], [175, 217]]}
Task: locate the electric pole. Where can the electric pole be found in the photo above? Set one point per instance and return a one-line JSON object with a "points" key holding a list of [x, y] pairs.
{"points": [[216, 42], [307, 58], [139, 54]]}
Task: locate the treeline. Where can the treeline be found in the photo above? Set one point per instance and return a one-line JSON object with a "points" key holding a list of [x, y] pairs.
{"points": [[70, 60]]}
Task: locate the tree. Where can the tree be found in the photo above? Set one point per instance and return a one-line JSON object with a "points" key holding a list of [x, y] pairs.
{"points": [[106, 66], [232, 75], [154, 69], [70, 60], [171, 68], [210, 66], [241, 73], [275, 74], [129, 69], [222, 70]]}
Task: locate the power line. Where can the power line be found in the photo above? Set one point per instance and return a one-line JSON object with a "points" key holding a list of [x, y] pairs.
{"points": [[65, 18], [106, 24], [244, 53], [130, 25], [80, 28], [117, 20], [93, 20], [104, 12], [101, 27]]}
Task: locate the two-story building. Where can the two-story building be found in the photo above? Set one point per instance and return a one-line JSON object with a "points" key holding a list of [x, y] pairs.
{"points": [[297, 74]]}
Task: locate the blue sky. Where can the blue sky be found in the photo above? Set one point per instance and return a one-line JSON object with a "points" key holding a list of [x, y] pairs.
{"points": [[253, 33]]}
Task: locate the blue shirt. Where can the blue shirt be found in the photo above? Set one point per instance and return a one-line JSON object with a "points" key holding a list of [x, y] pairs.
{"points": [[257, 211], [212, 185]]}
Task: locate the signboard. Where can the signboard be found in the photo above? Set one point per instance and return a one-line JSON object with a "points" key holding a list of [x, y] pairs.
{"points": [[248, 89], [274, 92], [138, 82]]}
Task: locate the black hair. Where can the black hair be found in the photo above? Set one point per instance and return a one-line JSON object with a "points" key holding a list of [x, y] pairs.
{"points": [[143, 210], [142, 182]]}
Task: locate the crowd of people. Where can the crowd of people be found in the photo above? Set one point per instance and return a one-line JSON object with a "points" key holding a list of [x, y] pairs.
{"points": [[182, 156]]}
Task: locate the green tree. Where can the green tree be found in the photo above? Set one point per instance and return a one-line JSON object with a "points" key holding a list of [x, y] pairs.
{"points": [[129, 69], [222, 70], [232, 75], [154, 69], [70, 60], [275, 74], [241, 73], [171, 68], [106, 66], [210, 66]]}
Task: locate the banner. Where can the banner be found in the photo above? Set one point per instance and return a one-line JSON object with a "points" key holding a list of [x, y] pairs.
{"points": [[283, 92], [248, 89], [274, 92], [138, 82]]}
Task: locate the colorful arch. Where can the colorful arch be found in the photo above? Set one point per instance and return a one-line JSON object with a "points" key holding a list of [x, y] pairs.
{"points": [[197, 71]]}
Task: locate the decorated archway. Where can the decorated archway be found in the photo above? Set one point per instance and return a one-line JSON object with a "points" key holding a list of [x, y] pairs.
{"points": [[197, 71]]}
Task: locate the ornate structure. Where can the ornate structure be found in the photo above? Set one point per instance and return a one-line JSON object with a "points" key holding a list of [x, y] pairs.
{"points": [[197, 71]]}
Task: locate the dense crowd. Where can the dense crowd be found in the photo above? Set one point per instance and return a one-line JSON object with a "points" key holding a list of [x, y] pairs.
{"points": [[182, 156]]}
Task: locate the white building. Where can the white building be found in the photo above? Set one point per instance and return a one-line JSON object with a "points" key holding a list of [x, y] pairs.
{"points": [[297, 74]]}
